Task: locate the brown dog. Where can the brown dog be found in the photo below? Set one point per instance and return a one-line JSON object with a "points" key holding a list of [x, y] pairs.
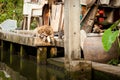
{"points": [[45, 32]]}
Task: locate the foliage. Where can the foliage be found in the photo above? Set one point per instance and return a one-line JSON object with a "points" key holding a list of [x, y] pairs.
{"points": [[11, 9], [114, 62], [110, 36]]}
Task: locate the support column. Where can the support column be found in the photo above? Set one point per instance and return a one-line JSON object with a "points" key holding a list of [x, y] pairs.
{"points": [[53, 51], [72, 32], [11, 52], [42, 55], [2, 46]]}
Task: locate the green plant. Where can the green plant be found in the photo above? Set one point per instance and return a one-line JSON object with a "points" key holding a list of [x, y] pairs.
{"points": [[11, 9], [111, 35], [114, 62]]}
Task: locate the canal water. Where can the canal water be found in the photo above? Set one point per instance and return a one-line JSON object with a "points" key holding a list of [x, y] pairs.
{"points": [[27, 69]]}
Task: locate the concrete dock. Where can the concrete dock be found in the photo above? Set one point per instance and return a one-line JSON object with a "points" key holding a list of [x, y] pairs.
{"points": [[115, 70]]}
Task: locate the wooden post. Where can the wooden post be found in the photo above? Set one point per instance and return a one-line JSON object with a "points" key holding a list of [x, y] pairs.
{"points": [[2, 50], [11, 52], [21, 51], [53, 51], [72, 32], [41, 55]]}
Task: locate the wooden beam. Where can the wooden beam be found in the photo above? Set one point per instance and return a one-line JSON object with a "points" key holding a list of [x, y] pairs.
{"points": [[72, 31], [23, 37]]}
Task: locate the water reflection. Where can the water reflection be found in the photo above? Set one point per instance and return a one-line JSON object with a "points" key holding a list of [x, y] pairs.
{"points": [[11, 50], [21, 62], [23, 68], [20, 59], [30, 69]]}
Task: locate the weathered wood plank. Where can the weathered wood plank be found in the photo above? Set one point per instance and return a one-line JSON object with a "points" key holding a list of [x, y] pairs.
{"points": [[55, 19], [88, 21], [24, 39], [27, 38]]}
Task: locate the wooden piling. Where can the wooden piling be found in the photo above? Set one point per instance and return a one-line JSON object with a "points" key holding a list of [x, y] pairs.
{"points": [[11, 52], [42, 55], [53, 51], [71, 32], [1, 50], [21, 51]]}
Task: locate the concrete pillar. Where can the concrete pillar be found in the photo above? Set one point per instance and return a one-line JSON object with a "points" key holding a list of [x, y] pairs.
{"points": [[71, 32]]}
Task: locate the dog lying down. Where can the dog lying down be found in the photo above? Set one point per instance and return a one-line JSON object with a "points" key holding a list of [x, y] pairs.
{"points": [[45, 32]]}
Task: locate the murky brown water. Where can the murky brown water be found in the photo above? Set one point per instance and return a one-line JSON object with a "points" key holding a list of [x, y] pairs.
{"points": [[27, 69]]}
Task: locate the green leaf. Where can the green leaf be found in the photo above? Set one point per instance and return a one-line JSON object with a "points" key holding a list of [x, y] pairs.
{"points": [[115, 24], [114, 36], [108, 38]]}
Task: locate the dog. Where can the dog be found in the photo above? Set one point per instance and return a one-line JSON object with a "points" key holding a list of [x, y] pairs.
{"points": [[45, 32]]}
